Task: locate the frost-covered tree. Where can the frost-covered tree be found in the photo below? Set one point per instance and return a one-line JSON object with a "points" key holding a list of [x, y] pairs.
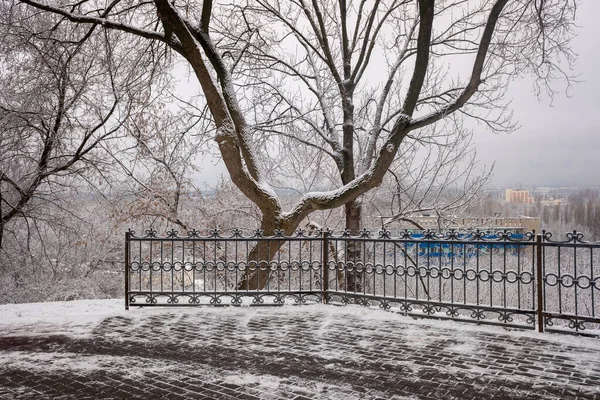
{"points": [[65, 94], [65, 91], [156, 161], [353, 80]]}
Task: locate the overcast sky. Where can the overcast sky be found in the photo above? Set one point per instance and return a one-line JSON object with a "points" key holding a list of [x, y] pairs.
{"points": [[556, 145]]}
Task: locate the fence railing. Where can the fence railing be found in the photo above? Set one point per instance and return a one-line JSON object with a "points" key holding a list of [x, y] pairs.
{"points": [[520, 280]]}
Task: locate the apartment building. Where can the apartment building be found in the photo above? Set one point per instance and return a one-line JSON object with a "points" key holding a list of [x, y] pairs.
{"points": [[518, 196]]}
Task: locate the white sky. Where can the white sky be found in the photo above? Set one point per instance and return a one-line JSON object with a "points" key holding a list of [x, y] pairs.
{"points": [[556, 145]]}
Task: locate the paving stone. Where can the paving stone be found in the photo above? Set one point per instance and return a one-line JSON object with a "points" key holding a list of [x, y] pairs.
{"points": [[191, 354]]}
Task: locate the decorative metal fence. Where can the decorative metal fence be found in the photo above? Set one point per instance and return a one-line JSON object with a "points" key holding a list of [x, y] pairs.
{"points": [[503, 278]]}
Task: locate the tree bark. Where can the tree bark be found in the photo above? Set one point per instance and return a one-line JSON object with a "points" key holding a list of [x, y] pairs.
{"points": [[354, 254], [258, 271]]}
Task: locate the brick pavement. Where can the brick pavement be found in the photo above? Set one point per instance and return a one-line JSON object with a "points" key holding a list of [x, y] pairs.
{"points": [[309, 352]]}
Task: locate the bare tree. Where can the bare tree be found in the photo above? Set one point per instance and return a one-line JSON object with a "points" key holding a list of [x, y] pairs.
{"points": [[65, 92], [70, 253], [157, 161], [335, 46], [442, 180]]}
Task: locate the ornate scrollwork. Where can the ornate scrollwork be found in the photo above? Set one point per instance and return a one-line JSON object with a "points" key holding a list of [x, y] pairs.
{"points": [[384, 234], [194, 233], [505, 317], [576, 324], [546, 236], [385, 305], [452, 312], [429, 310], [150, 233], [237, 233], [173, 233], [451, 234], [364, 233], [579, 324], [429, 234], [405, 235], [477, 314], [258, 233], [478, 235], [529, 236], [504, 235], [575, 237], [278, 233]]}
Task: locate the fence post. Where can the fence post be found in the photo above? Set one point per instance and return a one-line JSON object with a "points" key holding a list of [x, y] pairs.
{"points": [[325, 265], [127, 250], [540, 283]]}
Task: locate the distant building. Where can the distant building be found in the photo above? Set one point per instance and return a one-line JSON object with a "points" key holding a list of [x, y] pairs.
{"points": [[518, 196], [554, 202]]}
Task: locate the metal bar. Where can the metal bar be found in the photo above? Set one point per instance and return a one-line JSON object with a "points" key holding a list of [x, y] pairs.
{"points": [[592, 280], [540, 280], [451, 276], [127, 249], [519, 283], [575, 285], [325, 265], [559, 285], [504, 277]]}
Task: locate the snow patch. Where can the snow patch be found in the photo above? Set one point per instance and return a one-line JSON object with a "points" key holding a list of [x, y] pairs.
{"points": [[81, 316], [76, 317]]}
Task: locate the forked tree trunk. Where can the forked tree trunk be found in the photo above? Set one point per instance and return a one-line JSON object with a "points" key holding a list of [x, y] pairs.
{"points": [[258, 272]]}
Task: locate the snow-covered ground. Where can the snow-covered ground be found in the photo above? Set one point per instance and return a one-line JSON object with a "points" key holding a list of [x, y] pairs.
{"points": [[74, 317], [81, 316], [316, 351]]}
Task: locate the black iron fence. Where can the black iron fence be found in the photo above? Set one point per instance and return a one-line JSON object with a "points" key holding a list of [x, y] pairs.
{"points": [[525, 280]]}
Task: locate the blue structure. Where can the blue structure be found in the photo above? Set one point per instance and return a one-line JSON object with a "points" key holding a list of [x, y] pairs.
{"points": [[449, 249]]}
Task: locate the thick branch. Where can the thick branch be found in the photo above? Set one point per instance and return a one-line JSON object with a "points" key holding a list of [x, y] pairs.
{"points": [[475, 79], [426, 12], [106, 23]]}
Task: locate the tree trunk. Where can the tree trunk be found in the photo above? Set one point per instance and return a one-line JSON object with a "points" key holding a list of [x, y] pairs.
{"points": [[353, 212], [258, 271]]}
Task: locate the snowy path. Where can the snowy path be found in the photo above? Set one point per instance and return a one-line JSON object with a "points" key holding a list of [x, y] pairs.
{"points": [[93, 349]]}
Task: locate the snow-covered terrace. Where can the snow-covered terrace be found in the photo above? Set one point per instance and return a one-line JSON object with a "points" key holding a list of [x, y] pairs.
{"points": [[95, 349]]}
